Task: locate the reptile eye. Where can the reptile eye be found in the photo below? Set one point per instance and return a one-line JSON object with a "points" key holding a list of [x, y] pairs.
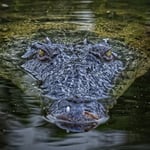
{"points": [[42, 55], [108, 53]]}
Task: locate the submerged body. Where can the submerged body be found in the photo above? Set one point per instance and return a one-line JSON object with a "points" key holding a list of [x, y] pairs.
{"points": [[76, 78]]}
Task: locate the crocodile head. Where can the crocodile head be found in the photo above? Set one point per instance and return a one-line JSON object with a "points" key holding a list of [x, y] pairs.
{"points": [[77, 77]]}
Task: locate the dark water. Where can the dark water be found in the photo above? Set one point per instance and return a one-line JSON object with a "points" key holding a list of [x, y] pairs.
{"points": [[21, 124]]}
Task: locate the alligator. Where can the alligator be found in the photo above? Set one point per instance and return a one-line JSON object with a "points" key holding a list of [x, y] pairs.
{"points": [[80, 79], [79, 74]]}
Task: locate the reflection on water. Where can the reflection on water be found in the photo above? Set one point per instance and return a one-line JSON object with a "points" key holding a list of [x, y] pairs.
{"points": [[84, 20], [83, 16], [21, 124]]}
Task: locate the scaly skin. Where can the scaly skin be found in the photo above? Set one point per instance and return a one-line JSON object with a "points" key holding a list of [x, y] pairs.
{"points": [[77, 77]]}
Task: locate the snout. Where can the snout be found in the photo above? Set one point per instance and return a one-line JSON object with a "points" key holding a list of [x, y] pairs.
{"points": [[77, 117]]}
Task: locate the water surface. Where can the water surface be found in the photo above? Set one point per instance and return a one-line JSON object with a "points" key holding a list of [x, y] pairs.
{"points": [[21, 124]]}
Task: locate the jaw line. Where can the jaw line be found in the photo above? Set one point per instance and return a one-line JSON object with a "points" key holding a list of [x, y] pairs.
{"points": [[55, 120]]}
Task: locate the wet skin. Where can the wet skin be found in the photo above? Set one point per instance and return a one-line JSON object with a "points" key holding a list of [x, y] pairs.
{"points": [[75, 77]]}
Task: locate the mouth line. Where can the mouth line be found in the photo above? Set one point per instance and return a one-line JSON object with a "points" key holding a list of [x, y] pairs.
{"points": [[53, 119]]}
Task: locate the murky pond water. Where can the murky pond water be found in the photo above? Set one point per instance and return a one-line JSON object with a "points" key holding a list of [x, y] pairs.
{"points": [[21, 124]]}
